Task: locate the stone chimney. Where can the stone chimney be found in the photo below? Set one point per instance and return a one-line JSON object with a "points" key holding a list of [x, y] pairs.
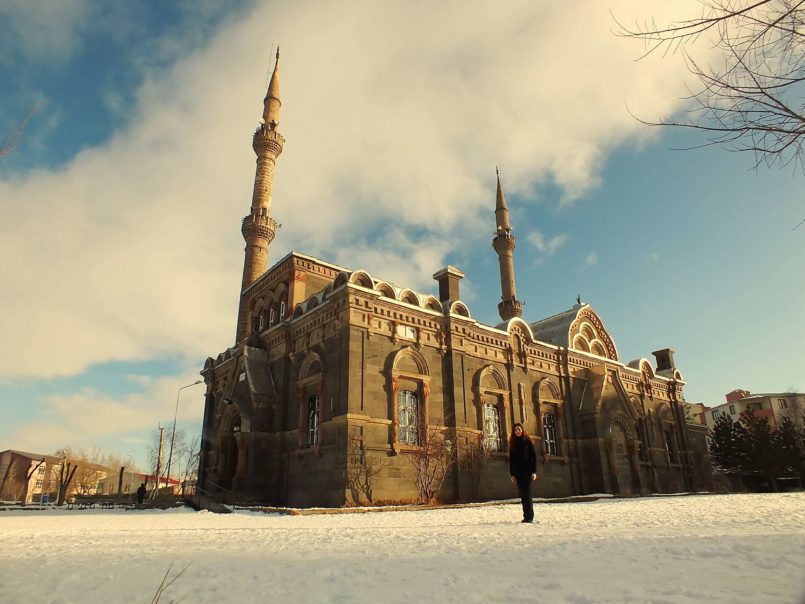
{"points": [[665, 359], [448, 279]]}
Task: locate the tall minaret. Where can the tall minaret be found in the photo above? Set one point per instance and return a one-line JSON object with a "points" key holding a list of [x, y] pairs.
{"points": [[258, 227], [503, 243]]}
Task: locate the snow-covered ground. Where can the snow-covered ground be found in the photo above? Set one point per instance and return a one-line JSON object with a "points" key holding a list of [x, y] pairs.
{"points": [[719, 548]]}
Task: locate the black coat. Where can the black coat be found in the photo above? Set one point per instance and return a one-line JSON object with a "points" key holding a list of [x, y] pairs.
{"points": [[522, 458]]}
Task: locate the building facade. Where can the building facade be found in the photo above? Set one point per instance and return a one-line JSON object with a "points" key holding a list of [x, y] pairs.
{"points": [[338, 377]]}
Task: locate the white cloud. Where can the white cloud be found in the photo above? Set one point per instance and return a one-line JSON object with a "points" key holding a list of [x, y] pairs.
{"points": [[46, 31], [394, 123], [591, 259], [653, 257], [88, 417], [549, 246]]}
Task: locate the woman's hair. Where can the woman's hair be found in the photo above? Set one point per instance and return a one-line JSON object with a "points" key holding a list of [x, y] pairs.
{"points": [[513, 436]]}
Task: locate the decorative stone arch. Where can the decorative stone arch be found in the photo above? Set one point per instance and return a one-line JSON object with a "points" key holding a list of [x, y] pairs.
{"points": [[341, 279], [312, 303], [668, 429], [460, 309], [549, 401], [580, 343], [490, 387], [588, 327], [311, 394], [327, 291], [298, 311], [409, 297], [432, 303], [230, 457], [362, 278], [259, 317], [597, 348], [385, 290], [621, 454], [408, 375]]}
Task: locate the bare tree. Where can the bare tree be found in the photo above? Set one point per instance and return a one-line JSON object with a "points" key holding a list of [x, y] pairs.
{"points": [[67, 471], [753, 99], [431, 460], [187, 461], [362, 472], [473, 461]]}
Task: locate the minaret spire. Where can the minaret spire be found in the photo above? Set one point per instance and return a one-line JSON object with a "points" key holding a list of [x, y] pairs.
{"points": [[503, 244], [259, 227], [272, 103]]}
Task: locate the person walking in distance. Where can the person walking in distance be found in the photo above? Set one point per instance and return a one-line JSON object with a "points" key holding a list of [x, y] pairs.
{"points": [[523, 468], [141, 494]]}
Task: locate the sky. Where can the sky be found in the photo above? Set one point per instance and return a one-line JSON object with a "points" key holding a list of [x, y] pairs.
{"points": [[120, 208]]}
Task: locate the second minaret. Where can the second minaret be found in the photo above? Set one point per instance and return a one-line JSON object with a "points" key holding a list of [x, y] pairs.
{"points": [[503, 243]]}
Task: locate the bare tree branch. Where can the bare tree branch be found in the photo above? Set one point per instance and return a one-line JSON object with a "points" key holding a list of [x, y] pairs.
{"points": [[754, 101]]}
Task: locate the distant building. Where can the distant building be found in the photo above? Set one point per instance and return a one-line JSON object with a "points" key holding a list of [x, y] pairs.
{"points": [[27, 477], [333, 370], [773, 406]]}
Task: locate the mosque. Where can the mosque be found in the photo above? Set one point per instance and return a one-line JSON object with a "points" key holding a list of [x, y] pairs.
{"points": [[340, 382]]}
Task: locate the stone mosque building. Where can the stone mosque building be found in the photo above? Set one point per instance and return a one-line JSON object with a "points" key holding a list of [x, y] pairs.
{"points": [[330, 361]]}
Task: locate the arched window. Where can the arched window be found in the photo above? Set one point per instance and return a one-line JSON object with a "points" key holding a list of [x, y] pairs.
{"points": [[282, 310], [407, 427], [551, 409], [272, 317], [313, 420], [492, 437]]}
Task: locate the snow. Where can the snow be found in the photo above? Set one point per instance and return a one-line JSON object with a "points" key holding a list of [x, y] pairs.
{"points": [[704, 548]]}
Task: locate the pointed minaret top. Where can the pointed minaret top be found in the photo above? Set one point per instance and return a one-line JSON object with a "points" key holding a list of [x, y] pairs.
{"points": [[272, 103], [501, 209]]}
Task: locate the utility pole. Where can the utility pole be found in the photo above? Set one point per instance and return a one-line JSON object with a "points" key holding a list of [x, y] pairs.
{"points": [[159, 463]]}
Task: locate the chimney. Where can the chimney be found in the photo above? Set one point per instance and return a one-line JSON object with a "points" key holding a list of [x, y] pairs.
{"points": [[665, 359], [448, 279]]}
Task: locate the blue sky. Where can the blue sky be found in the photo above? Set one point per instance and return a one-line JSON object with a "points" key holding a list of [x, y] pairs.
{"points": [[120, 208]]}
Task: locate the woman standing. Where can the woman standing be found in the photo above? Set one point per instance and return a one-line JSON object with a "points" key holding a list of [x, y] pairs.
{"points": [[523, 467]]}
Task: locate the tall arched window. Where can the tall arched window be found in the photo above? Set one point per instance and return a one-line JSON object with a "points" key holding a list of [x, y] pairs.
{"points": [[272, 317], [313, 420], [492, 437], [408, 429], [282, 310]]}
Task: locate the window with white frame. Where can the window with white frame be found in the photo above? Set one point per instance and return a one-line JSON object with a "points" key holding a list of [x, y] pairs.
{"points": [[272, 316], [732, 409], [406, 331], [716, 415], [549, 431], [313, 420], [282, 310], [407, 429], [492, 436]]}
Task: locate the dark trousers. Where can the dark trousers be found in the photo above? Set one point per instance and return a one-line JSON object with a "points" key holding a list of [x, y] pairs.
{"points": [[524, 487]]}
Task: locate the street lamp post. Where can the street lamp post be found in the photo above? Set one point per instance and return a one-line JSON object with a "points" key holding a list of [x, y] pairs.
{"points": [[173, 434]]}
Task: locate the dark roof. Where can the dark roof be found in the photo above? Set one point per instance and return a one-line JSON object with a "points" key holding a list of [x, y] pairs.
{"points": [[554, 330]]}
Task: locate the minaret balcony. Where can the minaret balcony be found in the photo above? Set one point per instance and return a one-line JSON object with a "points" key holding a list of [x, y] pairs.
{"points": [[267, 140], [259, 225]]}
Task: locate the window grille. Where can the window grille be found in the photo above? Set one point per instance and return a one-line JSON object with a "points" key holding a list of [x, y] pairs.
{"points": [[313, 420], [409, 408], [492, 440], [549, 429], [669, 445]]}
